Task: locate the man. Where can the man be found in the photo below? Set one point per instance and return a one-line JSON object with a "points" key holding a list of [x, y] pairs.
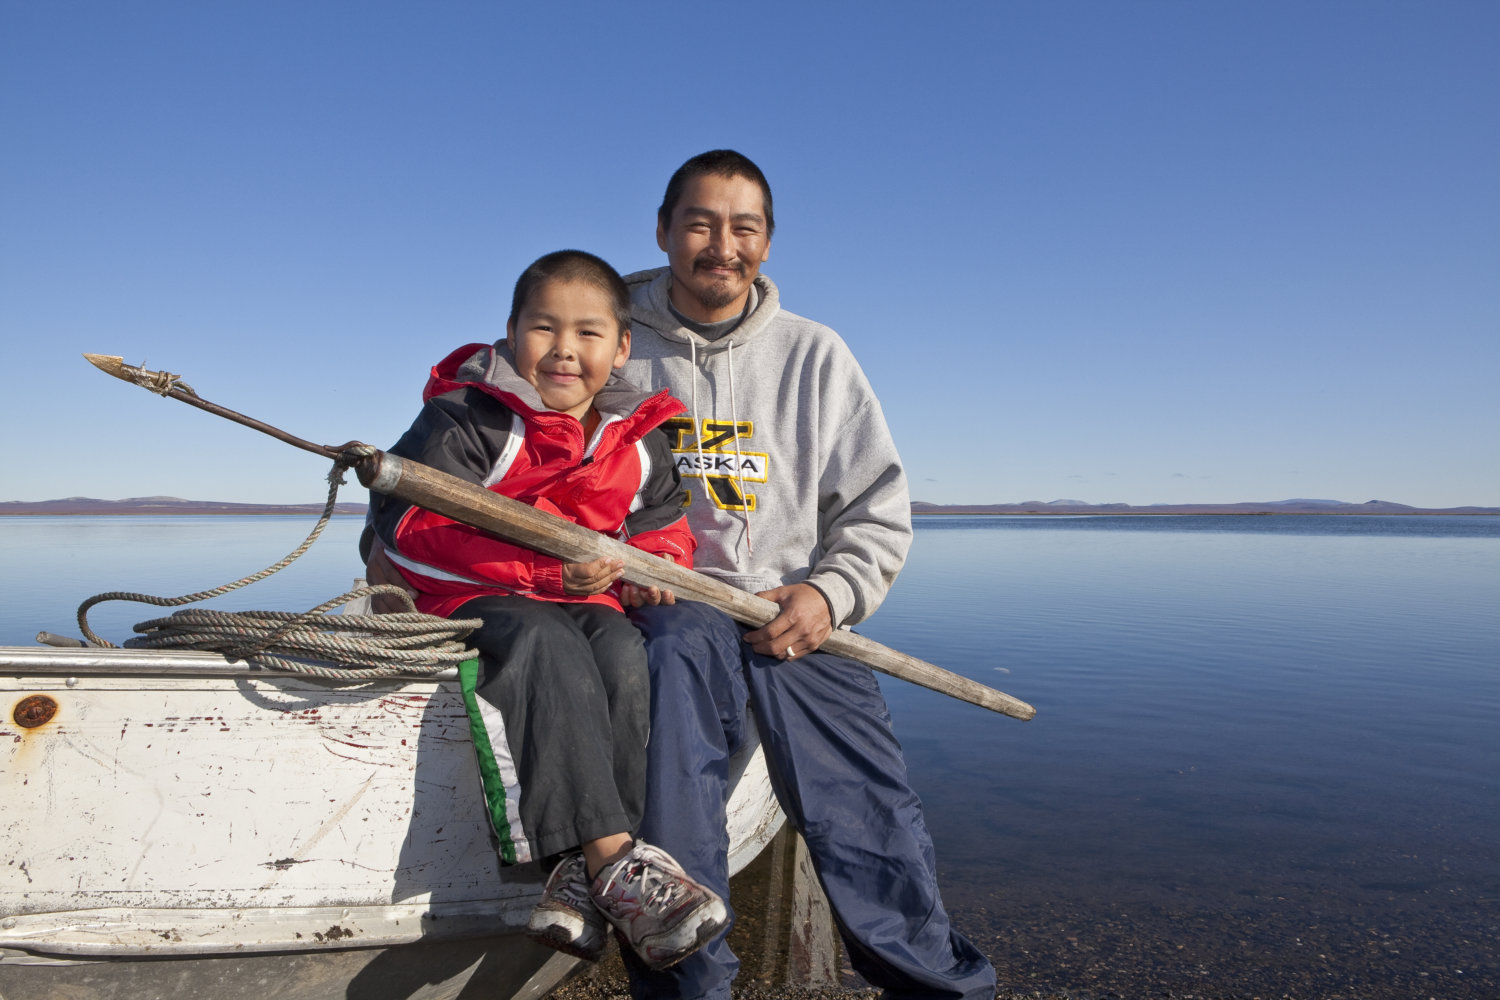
{"points": [[797, 494]]}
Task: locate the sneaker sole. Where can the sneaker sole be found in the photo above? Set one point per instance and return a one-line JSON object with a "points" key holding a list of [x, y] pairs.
{"points": [[559, 939]]}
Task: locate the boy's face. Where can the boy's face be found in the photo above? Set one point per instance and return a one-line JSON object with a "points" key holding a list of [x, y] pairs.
{"points": [[567, 343], [715, 243]]}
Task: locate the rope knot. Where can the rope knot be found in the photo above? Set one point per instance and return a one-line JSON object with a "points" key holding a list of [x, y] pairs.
{"points": [[161, 383], [349, 455]]}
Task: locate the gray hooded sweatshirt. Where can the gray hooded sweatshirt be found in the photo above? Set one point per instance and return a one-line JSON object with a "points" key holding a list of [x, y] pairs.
{"points": [[803, 481]]}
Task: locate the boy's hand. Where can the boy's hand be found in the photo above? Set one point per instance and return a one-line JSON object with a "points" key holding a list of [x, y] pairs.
{"points": [[633, 596], [803, 625], [584, 579]]}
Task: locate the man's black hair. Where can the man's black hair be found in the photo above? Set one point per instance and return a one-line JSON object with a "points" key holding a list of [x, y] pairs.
{"points": [[721, 163], [573, 265]]}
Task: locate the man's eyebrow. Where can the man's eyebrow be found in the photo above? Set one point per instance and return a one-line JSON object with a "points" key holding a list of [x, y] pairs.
{"points": [[698, 211]]}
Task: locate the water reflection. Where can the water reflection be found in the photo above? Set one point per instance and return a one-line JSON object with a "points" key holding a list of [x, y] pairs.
{"points": [[1263, 760]]}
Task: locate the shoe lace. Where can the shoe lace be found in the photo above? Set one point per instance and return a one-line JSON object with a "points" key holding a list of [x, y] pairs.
{"points": [[659, 889], [574, 888], [662, 889]]}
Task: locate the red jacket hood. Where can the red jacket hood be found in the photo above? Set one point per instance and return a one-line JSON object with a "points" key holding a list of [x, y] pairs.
{"points": [[628, 412]]}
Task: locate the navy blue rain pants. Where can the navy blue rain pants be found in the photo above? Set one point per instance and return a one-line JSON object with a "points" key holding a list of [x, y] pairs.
{"points": [[839, 774]]}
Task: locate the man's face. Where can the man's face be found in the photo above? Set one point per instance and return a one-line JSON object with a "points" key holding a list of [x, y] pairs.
{"points": [[715, 243]]}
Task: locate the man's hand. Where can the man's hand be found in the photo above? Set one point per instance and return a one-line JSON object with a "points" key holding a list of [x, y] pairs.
{"points": [[380, 571], [803, 625], [633, 596], [595, 577]]}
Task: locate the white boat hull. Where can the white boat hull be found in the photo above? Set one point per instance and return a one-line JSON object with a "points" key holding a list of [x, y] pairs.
{"points": [[183, 823]]}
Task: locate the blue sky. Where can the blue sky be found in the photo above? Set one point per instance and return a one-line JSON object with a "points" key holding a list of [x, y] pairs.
{"points": [[1150, 252]]}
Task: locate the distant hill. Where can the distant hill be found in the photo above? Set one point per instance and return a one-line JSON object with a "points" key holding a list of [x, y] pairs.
{"points": [[177, 505], [1259, 507], [166, 505]]}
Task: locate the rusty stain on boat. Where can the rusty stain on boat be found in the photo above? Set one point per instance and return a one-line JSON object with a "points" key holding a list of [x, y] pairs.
{"points": [[33, 711]]}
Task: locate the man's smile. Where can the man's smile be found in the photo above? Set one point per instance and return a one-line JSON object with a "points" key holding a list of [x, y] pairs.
{"points": [[714, 267]]}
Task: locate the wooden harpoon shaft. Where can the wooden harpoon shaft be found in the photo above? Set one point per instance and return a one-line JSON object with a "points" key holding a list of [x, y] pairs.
{"points": [[542, 532]]}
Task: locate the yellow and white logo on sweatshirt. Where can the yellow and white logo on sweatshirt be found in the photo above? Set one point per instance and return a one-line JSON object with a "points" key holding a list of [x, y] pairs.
{"points": [[718, 457]]}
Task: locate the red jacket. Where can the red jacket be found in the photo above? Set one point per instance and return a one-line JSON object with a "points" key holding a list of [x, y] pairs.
{"points": [[483, 423]]}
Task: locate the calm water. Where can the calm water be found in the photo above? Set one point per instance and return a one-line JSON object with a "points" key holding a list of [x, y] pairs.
{"points": [[1264, 763]]}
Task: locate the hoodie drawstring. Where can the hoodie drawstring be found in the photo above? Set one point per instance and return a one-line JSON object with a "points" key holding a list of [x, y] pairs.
{"points": [[698, 425], [739, 461], [698, 439]]}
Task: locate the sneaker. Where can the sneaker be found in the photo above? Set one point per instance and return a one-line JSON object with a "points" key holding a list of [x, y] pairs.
{"points": [[661, 913], [566, 917]]}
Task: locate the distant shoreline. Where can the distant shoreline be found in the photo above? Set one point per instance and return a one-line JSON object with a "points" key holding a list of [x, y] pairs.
{"points": [[1353, 510], [154, 507], [176, 513], [174, 506], [1066, 508]]}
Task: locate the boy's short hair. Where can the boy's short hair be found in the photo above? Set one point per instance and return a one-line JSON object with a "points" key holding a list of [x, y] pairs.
{"points": [[573, 265], [720, 163]]}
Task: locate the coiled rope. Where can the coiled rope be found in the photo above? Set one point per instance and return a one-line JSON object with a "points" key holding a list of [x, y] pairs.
{"points": [[312, 642]]}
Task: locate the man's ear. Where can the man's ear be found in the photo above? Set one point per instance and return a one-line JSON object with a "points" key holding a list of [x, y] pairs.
{"points": [[767, 255], [622, 353]]}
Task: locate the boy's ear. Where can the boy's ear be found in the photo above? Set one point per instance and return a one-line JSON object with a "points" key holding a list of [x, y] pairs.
{"points": [[510, 333], [622, 353]]}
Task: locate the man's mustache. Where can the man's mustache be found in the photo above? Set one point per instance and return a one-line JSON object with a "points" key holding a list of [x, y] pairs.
{"points": [[704, 263]]}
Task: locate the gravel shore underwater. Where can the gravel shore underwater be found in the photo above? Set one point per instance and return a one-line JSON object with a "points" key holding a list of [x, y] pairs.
{"points": [[1047, 946]]}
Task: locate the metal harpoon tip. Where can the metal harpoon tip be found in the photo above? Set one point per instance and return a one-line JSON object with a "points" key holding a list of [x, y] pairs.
{"points": [[110, 363]]}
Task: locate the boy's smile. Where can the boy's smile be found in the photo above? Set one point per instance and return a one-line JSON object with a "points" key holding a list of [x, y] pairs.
{"points": [[566, 344]]}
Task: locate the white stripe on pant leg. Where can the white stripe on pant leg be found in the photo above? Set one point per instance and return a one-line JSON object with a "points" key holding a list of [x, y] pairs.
{"points": [[515, 841]]}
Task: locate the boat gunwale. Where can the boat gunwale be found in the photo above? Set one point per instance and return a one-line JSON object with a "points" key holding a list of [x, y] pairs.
{"points": [[105, 661]]}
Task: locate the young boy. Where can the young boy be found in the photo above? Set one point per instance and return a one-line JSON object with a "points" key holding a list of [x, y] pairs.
{"points": [[541, 417]]}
